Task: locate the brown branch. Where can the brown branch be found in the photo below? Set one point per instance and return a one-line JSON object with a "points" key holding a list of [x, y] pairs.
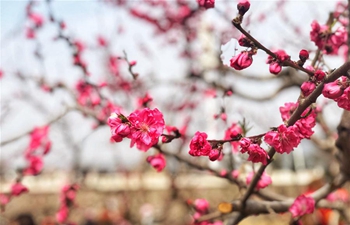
{"points": [[3, 143], [269, 52]]}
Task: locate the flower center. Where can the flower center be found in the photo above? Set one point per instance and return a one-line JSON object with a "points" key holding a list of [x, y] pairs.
{"points": [[144, 127]]}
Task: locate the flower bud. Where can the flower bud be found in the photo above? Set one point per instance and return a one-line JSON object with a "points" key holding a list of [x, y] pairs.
{"points": [[157, 162], [214, 154], [243, 6], [332, 90], [275, 68], [241, 61], [303, 55], [307, 88], [244, 41], [207, 4], [319, 75]]}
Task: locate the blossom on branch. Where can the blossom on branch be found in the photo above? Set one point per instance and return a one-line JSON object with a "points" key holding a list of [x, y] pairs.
{"points": [[243, 7], [120, 128], [143, 127], [344, 100], [146, 127], [284, 139], [302, 205], [241, 61], [233, 131], [276, 63], [332, 90], [199, 145], [257, 154]]}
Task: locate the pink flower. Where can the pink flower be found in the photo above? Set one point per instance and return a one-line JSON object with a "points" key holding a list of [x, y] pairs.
{"points": [[233, 132], [201, 205], [276, 63], [344, 100], [144, 101], [235, 174], [316, 34], [287, 110], [340, 194], [87, 95], [307, 88], [30, 33], [241, 61], [133, 63], [332, 90], [146, 127], [62, 214], [39, 137], [35, 165], [101, 41], [79, 45], [243, 7], [199, 145], [37, 19], [4, 199], [284, 139], [265, 180], [18, 188], [223, 173], [244, 144], [120, 127], [303, 125], [302, 205], [158, 162], [257, 154], [206, 3]]}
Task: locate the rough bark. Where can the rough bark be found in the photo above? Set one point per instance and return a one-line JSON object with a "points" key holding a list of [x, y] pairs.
{"points": [[343, 143]]}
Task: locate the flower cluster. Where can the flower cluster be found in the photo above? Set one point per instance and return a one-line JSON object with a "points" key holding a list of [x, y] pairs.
{"points": [[87, 95], [284, 140], [35, 20], [302, 205], [143, 127], [276, 63], [305, 124], [339, 91], [16, 189], [265, 180], [67, 198], [200, 146], [39, 146], [326, 40], [256, 153]]}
